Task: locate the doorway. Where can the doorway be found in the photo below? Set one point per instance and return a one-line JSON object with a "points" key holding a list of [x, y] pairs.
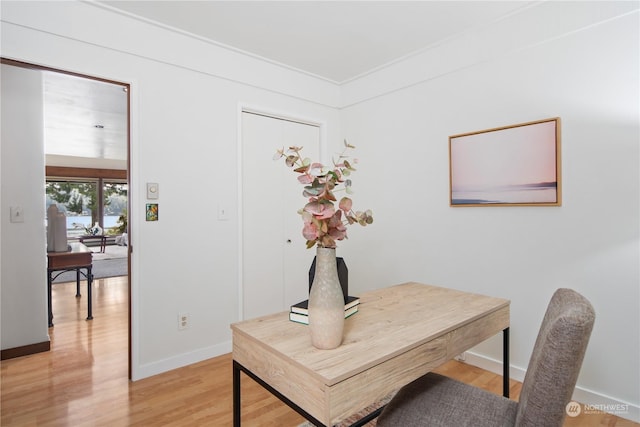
{"points": [[275, 261], [85, 127]]}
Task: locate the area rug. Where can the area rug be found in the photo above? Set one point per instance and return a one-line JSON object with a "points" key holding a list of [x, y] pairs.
{"points": [[110, 252], [358, 416], [101, 268]]}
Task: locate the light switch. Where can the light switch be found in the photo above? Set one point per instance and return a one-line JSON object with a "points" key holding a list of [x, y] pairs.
{"points": [[153, 190], [223, 213], [17, 214]]}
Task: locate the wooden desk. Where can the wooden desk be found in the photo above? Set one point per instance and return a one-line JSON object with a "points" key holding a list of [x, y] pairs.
{"points": [[399, 334], [77, 258]]}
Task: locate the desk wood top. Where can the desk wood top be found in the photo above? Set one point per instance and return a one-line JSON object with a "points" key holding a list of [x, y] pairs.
{"points": [[389, 322], [75, 248], [78, 256]]}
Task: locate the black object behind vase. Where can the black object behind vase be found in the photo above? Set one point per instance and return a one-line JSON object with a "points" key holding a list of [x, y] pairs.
{"points": [[343, 276]]}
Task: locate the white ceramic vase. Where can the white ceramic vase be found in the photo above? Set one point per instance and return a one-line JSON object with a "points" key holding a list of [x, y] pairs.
{"points": [[96, 230], [326, 302]]}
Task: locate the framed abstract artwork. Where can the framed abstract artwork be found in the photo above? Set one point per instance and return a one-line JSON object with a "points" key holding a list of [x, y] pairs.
{"points": [[516, 165]]}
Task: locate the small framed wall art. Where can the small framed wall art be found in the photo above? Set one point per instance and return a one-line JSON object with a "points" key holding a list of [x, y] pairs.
{"points": [[516, 165], [152, 211]]}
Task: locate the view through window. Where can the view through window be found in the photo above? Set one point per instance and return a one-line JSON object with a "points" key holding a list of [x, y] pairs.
{"points": [[82, 205]]}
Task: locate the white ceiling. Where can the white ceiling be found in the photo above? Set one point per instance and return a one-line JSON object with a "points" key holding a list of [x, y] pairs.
{"points": [[84, 119], [334, 40]]}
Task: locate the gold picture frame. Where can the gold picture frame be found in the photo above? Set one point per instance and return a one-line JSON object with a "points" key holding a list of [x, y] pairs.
{"points": [[517, 165]]}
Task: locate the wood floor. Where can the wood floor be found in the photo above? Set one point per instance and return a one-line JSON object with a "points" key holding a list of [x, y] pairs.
{"points": [[82, 381]]}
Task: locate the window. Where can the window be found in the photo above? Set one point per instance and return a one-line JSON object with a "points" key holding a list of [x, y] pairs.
{"points": [[86, 202]]}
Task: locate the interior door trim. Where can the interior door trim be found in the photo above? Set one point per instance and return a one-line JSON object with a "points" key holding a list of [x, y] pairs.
{"points": [[279, 115]]}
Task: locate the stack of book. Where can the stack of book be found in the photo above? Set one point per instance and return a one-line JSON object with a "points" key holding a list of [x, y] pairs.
{"points": [[300, 311]]}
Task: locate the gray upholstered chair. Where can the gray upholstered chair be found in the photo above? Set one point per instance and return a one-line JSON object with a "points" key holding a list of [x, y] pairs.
{"points": [[435, 400]]}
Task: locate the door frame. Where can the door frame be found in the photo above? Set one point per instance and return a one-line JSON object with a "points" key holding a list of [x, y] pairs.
{"points": [[128, 86], [278, 115]]}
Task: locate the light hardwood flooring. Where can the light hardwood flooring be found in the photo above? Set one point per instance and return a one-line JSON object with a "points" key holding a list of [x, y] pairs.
{"points": [[83, 381]]}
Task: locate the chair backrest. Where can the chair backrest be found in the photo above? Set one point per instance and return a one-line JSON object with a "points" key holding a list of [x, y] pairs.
{"points": [[556, 360]]}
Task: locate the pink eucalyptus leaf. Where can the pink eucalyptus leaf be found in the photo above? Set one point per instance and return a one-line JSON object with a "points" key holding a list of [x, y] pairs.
{"points": [[320, 210], [348, 166], [307, 217], [301, 169], [345, 204], [314, 189], [337, 234], [336, 219], [316, 169], [328, 195], [326, 213], [305, 179], [313, 208], [310, 231], [278, 154], [291, 160]]}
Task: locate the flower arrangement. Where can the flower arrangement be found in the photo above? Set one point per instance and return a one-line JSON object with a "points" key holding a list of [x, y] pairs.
{"points": [[86, 228], [323, 223]]}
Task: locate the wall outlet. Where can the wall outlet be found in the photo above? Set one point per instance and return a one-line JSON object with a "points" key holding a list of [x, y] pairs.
{"points": [[183, 321]]}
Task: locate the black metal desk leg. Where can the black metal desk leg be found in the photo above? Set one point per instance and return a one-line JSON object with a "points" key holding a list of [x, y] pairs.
{"points": [[236, 394], [505, 362], [78, 283], [49, 305], [89, 286]]}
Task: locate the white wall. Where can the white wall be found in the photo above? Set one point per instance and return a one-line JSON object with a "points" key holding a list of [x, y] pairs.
{"points": [[547, 62], [589, 78], [186, 99], [23, 244]]}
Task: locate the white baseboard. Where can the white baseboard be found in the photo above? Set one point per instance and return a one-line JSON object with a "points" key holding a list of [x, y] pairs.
{"points": [[181, 360], [591, 400]]}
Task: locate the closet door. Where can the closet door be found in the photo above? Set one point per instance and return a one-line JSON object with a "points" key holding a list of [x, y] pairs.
{"points": [[275, 261]]}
